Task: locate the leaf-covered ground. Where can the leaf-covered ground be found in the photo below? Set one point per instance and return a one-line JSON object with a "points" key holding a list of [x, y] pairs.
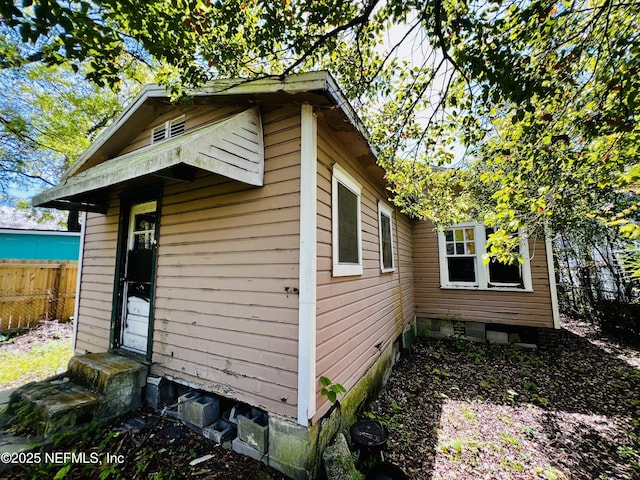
{"points": [[454, 410], [36, 354], [458, 410]]}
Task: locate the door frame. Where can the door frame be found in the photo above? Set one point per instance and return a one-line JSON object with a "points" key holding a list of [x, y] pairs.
{"points": [[127, 201]]}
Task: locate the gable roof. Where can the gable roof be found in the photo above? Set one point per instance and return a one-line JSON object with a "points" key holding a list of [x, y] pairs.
{"points": [[232, 147], [99, 167]]}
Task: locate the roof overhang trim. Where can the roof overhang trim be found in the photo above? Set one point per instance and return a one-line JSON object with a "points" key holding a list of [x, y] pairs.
{"points": [[233, 147]]}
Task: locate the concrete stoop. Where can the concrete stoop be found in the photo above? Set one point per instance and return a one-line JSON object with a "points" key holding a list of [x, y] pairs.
{"points": [[46, 408], [98, 386], [118, 380]]}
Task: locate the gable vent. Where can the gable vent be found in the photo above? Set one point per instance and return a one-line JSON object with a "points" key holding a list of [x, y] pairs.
{"points": [[176, 126], [158, 134], [169, 129]]}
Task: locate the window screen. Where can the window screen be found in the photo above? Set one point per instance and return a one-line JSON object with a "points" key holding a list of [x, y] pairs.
{"points": [[387, 251], [347, 226]]}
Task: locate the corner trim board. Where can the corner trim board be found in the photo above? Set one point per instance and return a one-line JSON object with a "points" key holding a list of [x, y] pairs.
{"points": [[76, 307], [555, 307], [308, 263]]}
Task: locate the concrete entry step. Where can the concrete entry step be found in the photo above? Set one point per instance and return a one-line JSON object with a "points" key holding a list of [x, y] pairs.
{"points": [[96, 387], [47, 408], [104, 371]]}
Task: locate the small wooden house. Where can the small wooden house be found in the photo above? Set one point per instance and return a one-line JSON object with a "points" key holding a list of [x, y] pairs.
{"points": [[243, 244]]}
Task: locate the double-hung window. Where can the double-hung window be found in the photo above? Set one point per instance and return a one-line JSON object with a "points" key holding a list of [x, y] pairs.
{"points": [[461, 248], [385, 223], [346, 224]]}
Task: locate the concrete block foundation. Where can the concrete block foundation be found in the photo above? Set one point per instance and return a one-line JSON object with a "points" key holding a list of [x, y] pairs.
{"points": [[220, 431], [198, 410], [409, 335], [254, 430], [158, 391], [243, 448], [497, 337]]}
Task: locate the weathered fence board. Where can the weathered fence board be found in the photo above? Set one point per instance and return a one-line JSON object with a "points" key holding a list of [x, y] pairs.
{"points": [[34, 290]]}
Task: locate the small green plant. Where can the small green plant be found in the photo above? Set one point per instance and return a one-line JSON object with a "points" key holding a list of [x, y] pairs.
{"points": [[627, 452], [62, 473], [509, 439], [541, 400], [468, 414], [108, 470], [549, 473], [512, 465], [441, 372], [525, 357], [511, 394], [478, 356], [528, 431], [452, 446], [331, 390]]}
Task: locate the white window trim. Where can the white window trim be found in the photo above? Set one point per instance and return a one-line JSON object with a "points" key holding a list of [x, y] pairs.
{"points": [[384, 209], [344, 269], [482, 270]]}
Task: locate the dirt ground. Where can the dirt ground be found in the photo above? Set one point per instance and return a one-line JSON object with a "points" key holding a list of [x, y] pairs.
{"points": [[456, 410], [453, 410], [46, 330]]}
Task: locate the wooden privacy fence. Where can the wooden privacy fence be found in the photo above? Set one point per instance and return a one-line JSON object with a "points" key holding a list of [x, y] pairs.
{"points": [[34, 290]]}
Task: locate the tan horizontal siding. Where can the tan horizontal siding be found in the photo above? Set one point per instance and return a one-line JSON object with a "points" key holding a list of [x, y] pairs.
{"points": [[218, 240], [225, 315], [404, 266], [490, 306], [96, 287], [222, 321], [357, 316], [229, 383]]}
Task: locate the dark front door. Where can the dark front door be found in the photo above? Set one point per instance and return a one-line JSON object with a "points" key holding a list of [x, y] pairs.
{"points": [[138, 274]]}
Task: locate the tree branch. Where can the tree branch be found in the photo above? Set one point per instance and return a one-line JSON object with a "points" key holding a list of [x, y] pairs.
{"points": [[357, 21]]}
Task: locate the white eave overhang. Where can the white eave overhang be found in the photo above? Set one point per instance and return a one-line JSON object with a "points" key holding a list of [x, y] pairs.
{"points": [[233, 148]]}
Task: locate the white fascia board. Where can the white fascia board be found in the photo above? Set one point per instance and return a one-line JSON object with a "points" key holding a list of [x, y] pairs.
{"points": [[307, 267], [149, 91], [296, 83]]}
